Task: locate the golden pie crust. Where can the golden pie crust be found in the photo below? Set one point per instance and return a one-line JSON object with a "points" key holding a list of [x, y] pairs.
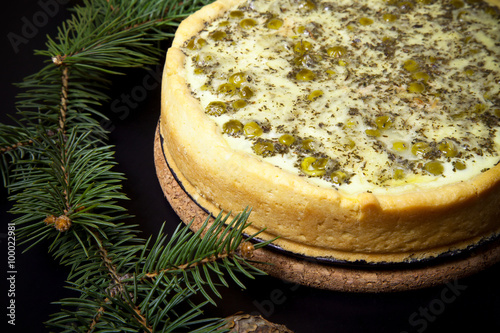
{"points": [[311, 220]]}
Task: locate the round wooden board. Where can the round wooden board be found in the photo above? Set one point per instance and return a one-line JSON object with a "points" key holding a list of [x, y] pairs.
{"points": [[318, 274]]}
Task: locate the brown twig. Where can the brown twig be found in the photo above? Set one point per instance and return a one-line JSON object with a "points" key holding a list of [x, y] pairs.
{"points": [[120, 289], [6, 149], [66, 190], [64, 100], [96, 319], [245, 249], [111, 268], [63, 110], [187, 266]]}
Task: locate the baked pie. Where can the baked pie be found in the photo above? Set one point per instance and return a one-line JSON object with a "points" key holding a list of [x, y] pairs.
{"points": [[361, 130]]}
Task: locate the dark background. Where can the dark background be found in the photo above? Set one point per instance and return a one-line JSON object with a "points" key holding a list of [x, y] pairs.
{"points": [[40, 281]]}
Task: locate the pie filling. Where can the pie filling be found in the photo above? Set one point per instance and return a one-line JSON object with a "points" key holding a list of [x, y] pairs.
{"points": [[378, 96]]}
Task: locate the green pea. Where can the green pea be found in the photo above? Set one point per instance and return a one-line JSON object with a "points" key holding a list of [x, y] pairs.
{"points": [[365, 21], [314, 167], [239, 104], [286, 139], [336, 51], [232, 127], [338, 177], [252, 129], [434, 167], [246, 92], [305, 75], [274, 23], [228, 89], [248, 23], [263, 148], [216, 108]]}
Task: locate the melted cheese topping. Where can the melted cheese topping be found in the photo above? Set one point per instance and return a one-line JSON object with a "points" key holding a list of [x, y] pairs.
{"points": [[378, 96]]}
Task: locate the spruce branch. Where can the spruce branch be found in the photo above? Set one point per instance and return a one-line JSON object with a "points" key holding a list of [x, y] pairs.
{"points": [[100, 38], [150, 298], [70, 185], [59, 173], [118, 286], [15, 146], [96, 319], [64, 98], [202, 258]]}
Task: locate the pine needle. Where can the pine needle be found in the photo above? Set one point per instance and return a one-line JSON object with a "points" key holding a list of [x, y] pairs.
{"points": [[59, 172]]}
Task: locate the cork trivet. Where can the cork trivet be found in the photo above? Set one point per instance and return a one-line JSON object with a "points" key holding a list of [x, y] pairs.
{"points": [[318, 274]]}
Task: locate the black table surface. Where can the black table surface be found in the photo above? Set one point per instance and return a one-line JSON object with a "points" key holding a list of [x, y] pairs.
{"points": [[467, 305]]}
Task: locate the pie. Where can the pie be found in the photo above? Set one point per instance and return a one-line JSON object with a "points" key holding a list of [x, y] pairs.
{"points": [[356, 131]]}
